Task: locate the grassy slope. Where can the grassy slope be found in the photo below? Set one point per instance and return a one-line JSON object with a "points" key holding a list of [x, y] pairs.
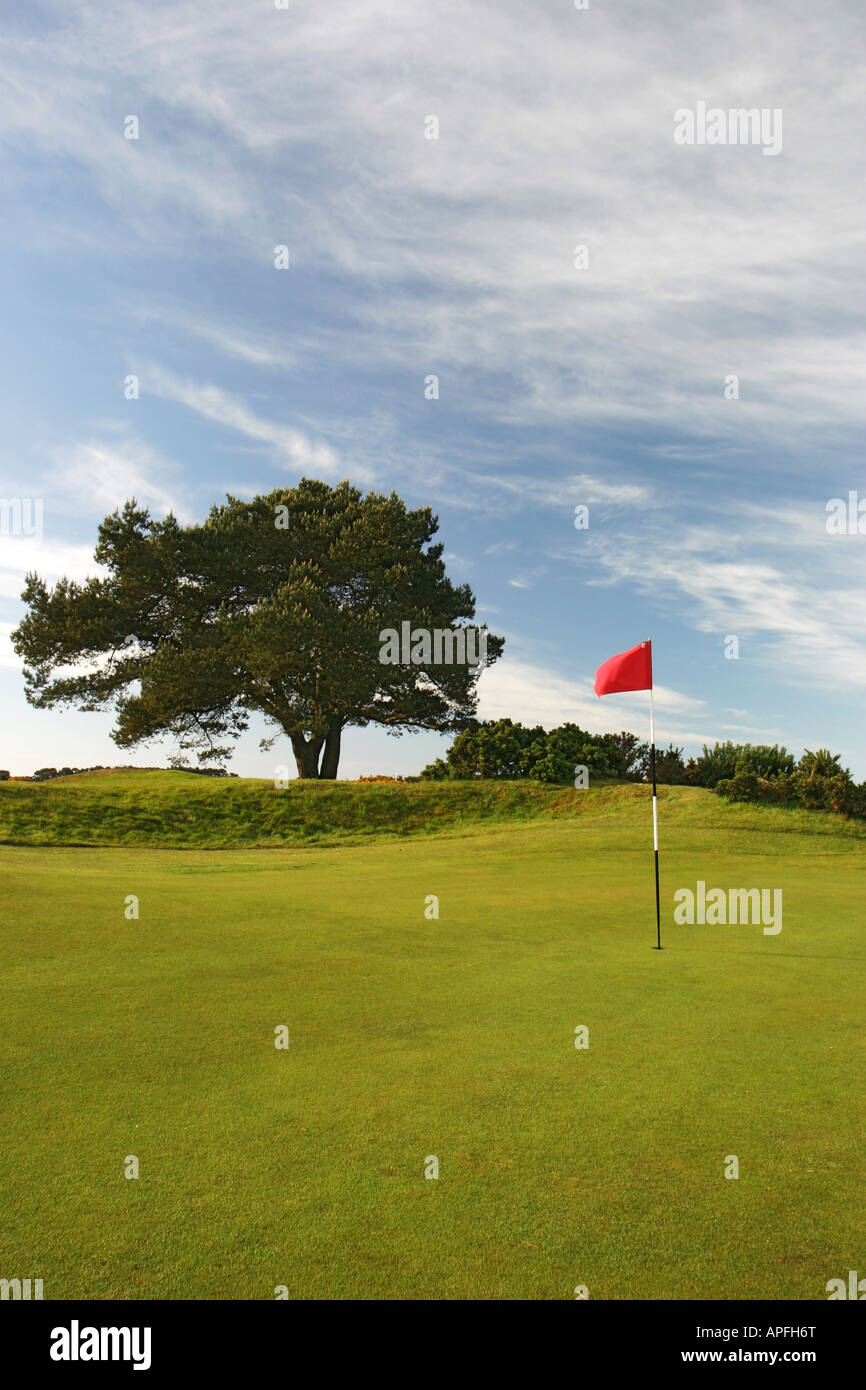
{"points": [[452, 1037], [181, 810]]}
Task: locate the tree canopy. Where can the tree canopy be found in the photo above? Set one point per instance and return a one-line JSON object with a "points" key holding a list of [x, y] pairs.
{"points": [[275, 605]]}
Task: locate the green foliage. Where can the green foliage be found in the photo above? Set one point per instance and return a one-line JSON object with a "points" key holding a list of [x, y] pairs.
{"points": [[200, 809], [743, 786], [627, 754], [272, 605], [491, 750], [505, 749], [821, 783], [47, 774], [720, 762], [741, 772], [670, 767], [817, 782]]}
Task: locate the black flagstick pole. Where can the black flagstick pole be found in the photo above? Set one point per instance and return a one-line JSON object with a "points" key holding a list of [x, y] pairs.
{"points": [[655, 815]]}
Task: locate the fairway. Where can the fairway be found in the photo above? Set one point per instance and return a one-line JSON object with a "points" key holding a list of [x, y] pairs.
{"points": [[411, 1038]]}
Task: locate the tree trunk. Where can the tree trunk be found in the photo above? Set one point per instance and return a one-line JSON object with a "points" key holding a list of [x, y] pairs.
{"points": [[307, 754], [331, 756]]}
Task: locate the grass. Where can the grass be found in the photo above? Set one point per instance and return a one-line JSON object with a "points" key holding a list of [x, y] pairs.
{"points": [[183, 810], [412, 1037]]}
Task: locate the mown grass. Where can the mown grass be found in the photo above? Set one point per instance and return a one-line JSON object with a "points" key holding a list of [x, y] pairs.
{"points": [[412, 1037]]}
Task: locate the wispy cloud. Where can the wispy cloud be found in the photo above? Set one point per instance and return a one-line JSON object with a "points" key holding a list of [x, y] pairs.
{"points": [[555, 490], [559, 385], [102, 475], [724, 581], [468, 241], [258, 350], [288, 444]]}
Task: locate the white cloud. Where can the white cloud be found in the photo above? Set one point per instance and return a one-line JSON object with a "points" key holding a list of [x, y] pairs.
{"points": [[103, 475], [289, 444], [456, 256], [703, 261], [536, 490], [532, 694], [21, 555], [86, 481], [8, 658], [260, 350], [723, 581]]}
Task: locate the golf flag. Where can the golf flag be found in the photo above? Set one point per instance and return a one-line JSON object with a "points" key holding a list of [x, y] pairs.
{"points": [[633, 670]]}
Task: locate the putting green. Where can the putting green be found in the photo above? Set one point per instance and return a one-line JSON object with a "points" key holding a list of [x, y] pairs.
{"points": [[412, 1038]]}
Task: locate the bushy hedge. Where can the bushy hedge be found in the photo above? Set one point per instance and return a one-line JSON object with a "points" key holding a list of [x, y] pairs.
{"points": [[502, 749], [817, 782], [47, 774], [720, 762], [505, 750]]}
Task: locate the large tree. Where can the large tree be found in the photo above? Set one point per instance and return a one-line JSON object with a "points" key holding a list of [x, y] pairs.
{"points": [[274, 605]]}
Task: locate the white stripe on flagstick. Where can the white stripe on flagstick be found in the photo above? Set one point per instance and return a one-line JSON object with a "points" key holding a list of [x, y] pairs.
{"points": [[655, 813], [653, 742]]}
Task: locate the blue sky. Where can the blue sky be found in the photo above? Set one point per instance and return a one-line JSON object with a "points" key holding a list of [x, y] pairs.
{"points": [[409, 257]]}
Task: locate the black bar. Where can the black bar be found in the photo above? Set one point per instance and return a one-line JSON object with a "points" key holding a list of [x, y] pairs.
{"points": [[235, 1339]]}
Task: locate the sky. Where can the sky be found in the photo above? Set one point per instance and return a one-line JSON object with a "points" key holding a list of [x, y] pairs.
{"points": [[447, 248]]}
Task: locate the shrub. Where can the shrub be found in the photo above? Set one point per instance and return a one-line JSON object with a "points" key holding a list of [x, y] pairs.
{"points": [[505, 749], [670, 768], [743, 786], [817, 782], [719, 763]]}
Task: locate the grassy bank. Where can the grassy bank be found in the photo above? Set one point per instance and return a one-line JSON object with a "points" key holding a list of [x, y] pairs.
{"points": [[180, 810]]}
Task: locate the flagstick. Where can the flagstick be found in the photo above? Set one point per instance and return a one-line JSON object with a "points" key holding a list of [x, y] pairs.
{"points": [[655, 819]]}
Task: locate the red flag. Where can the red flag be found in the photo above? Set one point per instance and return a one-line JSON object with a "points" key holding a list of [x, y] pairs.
{"points": [[632, 670]]}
